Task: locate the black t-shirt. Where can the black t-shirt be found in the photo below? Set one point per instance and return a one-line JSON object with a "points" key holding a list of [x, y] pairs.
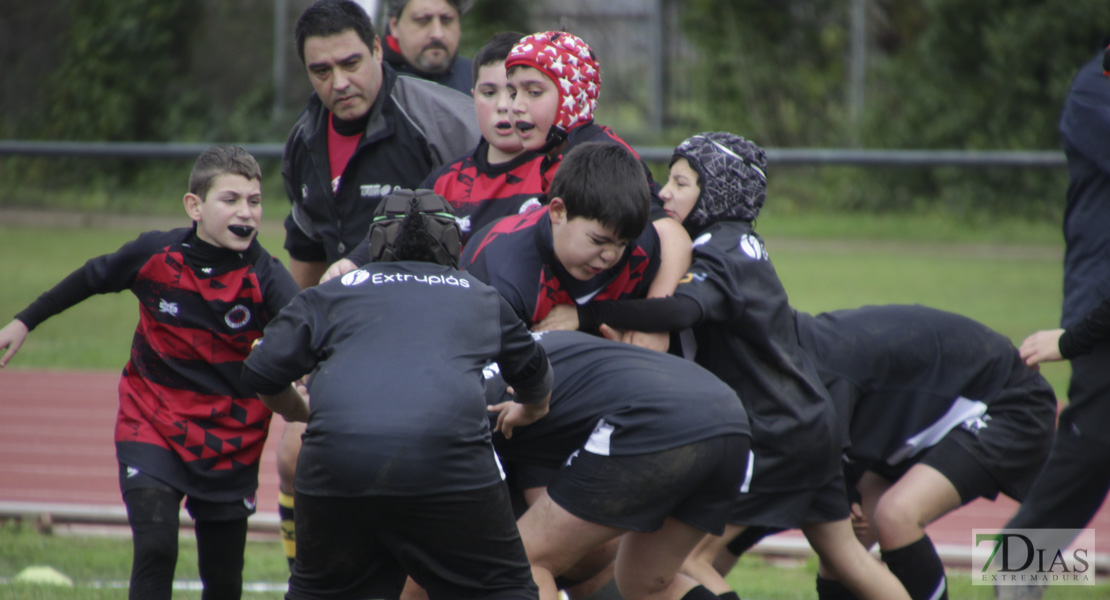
{"points": [[638, 401], [397, 397], [896, 371], [747, 337]]}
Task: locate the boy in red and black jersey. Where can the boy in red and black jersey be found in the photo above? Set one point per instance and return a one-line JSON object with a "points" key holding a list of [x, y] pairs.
{"points": [[187, 425], [591, 243], [499, 178]]}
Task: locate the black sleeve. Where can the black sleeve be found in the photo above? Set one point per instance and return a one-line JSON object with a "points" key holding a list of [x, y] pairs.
{"points": [[1092, 330], [361, 254], [523, 362], [103, 274], [278, 286], [288, 349], [260, 384], [673, 313]]}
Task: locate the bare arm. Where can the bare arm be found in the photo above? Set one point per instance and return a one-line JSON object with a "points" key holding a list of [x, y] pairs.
{"points": [[306, 274], [290, 403]]}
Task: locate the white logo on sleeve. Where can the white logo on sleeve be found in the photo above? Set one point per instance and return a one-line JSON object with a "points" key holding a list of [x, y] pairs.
{"points": [[702, 240], [464, 223], [753, 247], [167, 307], [353, 278]]}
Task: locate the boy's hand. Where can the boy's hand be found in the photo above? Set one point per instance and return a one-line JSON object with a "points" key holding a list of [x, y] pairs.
{"points": [[11, 338], [660, 341], [561, 317], [1041, 346], [511, 415], [337, 269]]}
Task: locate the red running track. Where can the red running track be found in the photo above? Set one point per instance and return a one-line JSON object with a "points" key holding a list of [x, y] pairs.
{"points": [[57, 456]]}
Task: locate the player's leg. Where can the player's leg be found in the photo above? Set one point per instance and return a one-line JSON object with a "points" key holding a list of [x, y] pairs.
{"points": [[899, 516], [850, 563], [220, 549], [153, 512], [461, 545], [340, 553], [221, 533], [289, 448], [555, 540], [647, 565], [1074, 481], [699, 562]]}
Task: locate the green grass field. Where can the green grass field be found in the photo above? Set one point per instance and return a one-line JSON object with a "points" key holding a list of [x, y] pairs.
{"points": [[1008, 276]]}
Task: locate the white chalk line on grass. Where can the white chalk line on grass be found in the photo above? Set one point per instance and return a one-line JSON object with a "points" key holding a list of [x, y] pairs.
{"points": [[180, 585]]}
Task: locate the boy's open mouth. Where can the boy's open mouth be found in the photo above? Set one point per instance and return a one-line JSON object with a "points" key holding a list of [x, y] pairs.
{"points": [[242, 231], [524, 126]]}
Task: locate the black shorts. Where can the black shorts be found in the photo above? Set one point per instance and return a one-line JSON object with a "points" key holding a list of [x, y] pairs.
{"points": [[199, 509], [792, 509], [1003, 451], [695, 484], [455, 545]]}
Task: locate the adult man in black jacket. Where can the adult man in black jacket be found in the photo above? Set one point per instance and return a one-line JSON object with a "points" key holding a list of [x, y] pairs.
{"points": [[364, 133]]}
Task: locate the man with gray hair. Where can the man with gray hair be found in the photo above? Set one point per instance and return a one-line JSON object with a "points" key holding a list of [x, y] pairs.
{"points": [[423, 41]]}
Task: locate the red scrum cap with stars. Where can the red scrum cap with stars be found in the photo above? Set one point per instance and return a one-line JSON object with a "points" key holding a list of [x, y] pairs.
{"points": [[568, 62]]}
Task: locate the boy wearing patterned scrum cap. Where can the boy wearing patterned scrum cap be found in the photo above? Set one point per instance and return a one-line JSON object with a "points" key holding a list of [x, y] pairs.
{"points": [[745, 333], [397, 475]]}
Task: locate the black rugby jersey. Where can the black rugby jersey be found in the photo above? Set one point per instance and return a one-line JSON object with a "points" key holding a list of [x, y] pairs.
{"points": [[623, 399], [397, 397], [903, 376], [747, 337]]}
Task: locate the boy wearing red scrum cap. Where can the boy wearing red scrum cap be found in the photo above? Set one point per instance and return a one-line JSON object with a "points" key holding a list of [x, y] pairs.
{"points": [[555, 80]]}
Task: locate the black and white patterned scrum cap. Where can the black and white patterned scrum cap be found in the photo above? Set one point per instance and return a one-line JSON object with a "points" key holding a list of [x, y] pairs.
{"points": [[733, 177]]}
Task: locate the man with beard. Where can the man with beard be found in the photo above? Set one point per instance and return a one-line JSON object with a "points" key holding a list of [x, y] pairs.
{"points": [[423, 41]]}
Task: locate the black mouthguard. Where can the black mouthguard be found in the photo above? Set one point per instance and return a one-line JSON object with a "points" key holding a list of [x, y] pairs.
{"points": [[242, 231]]}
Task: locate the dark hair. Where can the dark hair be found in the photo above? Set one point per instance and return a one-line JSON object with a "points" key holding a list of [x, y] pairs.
{"points": [[394, 8], [221, 160], [333, 17], [605, 182], [495, 50]]}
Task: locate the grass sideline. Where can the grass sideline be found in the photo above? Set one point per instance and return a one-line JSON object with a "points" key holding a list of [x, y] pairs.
{"points": [[1012, 282], [99, 564]]}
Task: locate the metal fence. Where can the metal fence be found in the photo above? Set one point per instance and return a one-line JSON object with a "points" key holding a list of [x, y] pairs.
{"points": [[776, 156]]}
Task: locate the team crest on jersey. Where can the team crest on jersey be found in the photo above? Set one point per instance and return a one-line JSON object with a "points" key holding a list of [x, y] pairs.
{"points": [[702, 240], [464, 223], [375, 190], [529, 205], [753, 247], [237, 317], [251, 502], [167, 307], [354, 278]]}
